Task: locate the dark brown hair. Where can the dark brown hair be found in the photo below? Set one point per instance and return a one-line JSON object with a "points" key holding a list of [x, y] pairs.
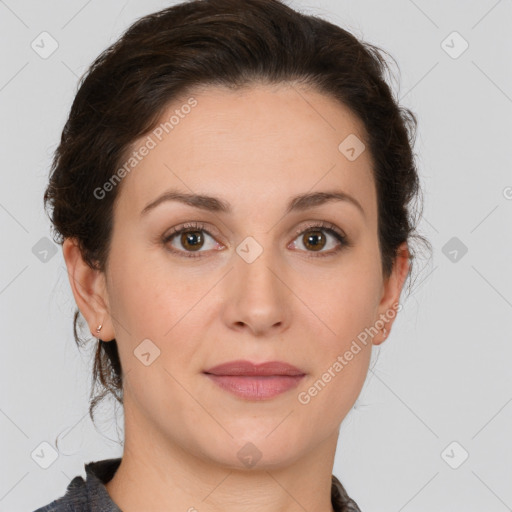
{"points": [[230, 43]]}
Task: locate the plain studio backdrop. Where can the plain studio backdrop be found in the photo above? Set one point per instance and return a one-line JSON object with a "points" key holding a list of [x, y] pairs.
{"points": [[431, 429]]}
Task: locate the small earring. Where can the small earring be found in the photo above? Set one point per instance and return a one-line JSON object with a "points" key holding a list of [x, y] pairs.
{"points": [[98, 329], [385, 332]]}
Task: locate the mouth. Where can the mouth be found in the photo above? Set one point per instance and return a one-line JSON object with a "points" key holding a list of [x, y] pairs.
{"points": [[256, 387], [255, 381]]}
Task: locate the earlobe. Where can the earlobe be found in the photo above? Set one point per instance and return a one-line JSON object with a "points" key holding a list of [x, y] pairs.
{"points": [[392, 290], [89, 289]]}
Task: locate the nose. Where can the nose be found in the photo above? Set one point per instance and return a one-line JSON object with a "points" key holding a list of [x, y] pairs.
{"points": [[257, 297]]}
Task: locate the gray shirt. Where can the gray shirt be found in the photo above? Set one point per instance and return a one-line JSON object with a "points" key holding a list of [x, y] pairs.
{"points": [[91, 495]]}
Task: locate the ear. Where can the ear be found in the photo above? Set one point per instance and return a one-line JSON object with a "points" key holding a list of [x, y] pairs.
{"points": [[392, 288], [90, 291]]}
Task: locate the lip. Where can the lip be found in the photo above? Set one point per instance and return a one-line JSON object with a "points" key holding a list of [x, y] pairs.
{"points": [[255, 381], [247, 368]]}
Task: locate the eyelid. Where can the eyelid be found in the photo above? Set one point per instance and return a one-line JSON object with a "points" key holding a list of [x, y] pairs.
{"points": [[197, 225], [200, 226], [319, 224]]}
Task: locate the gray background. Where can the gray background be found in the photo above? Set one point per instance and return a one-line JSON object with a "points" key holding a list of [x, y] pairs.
{"points": [[444, 374]]}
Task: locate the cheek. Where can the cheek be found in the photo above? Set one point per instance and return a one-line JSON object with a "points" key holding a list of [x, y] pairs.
{"points": [[152, 302], [341, 360], [149, 304], [349, 313], [146, 300], [347, 303], [346, 306]]}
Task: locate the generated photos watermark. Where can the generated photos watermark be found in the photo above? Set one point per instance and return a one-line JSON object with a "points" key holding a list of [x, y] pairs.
{"points": [[150, 143], [304, 397]]}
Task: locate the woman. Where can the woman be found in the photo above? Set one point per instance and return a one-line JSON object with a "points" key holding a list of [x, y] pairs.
{"points": [[232, 192]]}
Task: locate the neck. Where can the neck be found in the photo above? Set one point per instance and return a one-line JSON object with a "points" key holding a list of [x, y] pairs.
{"points": [[159, 474]]}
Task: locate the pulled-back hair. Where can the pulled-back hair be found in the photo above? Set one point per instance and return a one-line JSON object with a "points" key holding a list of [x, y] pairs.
{"points": [[230, 43]]}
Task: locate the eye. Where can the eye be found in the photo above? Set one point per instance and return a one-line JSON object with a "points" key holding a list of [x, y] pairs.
{"points": [[191, 239], [313, 239]]}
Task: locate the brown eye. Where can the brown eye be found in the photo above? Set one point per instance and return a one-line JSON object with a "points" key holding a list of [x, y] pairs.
{"points": [[192, 240], [314, 240], [323, 239]]}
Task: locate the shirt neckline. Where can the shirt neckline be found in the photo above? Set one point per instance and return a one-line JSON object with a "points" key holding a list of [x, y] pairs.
{"points": [[99, 473]]}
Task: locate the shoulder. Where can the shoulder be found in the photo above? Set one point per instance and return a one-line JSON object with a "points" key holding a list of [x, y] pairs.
{"points": [[89, 495], [341, 501], [75, 499]]}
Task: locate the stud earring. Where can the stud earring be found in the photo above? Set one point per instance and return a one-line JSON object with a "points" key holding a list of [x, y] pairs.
{"points": [[98, 329]]}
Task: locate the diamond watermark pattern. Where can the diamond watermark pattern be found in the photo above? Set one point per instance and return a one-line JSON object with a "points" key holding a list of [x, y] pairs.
{"points": [[249, 249], [44, 455], [352, 147], [454, 455], [44, 250], [249, 455], [454, 45], [454, 249], [147, 352], [44, 45]]}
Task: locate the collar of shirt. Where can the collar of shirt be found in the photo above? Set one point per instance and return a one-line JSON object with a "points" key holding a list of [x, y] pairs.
{"points": [[91, 495]]}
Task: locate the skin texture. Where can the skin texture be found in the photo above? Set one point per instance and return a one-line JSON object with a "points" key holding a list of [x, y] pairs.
{"points": [[255, 149]]}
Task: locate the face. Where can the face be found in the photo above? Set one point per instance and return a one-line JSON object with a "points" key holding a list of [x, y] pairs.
{"points": [[266, 277]]}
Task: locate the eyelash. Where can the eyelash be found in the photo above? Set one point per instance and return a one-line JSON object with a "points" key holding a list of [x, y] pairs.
{"points": [[322, 226]]}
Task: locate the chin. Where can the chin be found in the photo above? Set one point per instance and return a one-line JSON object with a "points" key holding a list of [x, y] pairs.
{"points": [[251, 451]]}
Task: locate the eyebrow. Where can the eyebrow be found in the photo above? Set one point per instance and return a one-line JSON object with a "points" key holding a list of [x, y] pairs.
{"points": [[213, 204]]}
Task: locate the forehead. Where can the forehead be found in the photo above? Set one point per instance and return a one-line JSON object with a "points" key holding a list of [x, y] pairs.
{"points": [[263, 142]]}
